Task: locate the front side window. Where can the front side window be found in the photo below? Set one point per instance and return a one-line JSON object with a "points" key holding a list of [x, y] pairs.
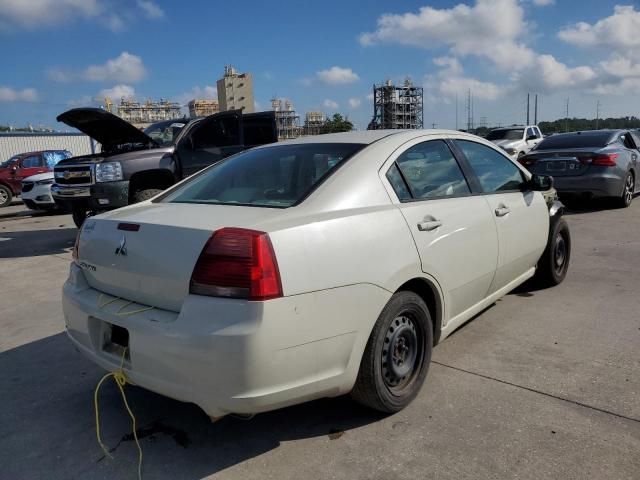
{"points": [[165, 133], [277, 176], [431, 170], [531, 133], [32, 162], [495, 172]]}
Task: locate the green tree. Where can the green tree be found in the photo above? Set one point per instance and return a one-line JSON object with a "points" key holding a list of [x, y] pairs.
{"points": [[337, 124]]}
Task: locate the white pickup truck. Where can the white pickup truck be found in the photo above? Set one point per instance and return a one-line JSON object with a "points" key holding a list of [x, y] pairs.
{"points": [[516, 140]]}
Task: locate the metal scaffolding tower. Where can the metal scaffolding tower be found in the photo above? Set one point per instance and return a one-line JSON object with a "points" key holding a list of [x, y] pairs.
{"points": [[397, 106], [287, 120]]}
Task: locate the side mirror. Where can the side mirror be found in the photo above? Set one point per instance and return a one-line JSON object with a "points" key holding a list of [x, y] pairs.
{"points": [[540, 183], [531, 137], [14, 169]]}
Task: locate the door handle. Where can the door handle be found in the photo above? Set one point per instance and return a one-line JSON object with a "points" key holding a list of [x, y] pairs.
{"points": [[502, 210], [429, 225]]}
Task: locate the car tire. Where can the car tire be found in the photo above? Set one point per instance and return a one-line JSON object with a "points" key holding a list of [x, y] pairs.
{"points": [[142, 195], [627, 191], [397, 356], [6, 196], [79, 215], [554, 263]]}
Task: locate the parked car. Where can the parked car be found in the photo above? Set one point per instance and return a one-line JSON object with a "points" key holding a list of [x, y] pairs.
{"points": [[516, 140], [24, 165], [596, 163], [136, 165], [310, 268]]}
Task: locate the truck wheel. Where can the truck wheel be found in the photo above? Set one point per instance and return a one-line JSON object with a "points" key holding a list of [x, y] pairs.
{"points": [[5, 196], [397, 356], [142, 195], [554, 263], [79, 215]]}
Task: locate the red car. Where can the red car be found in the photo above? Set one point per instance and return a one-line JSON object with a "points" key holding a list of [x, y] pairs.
{"points": [[23, 165]]}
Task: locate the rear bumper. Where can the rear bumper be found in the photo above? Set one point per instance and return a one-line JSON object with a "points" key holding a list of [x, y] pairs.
{"points": [[99, 196], [600, 184], [232, 356]]}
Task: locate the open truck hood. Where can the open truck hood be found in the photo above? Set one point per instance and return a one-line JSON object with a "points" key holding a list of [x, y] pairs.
{"points": [[104, 127]]}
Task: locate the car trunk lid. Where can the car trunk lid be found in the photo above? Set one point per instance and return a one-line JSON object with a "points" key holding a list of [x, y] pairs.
{"points": [[146, 253], [559, 163]]}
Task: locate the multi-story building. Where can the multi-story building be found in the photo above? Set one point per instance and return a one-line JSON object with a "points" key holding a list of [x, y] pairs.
{"points": [[141, 115], [235, 90], [203, 108], [313, 123], [397, 106]]}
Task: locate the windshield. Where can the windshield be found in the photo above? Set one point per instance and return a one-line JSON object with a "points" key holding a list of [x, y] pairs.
{"points": [[165, 133], [6, 163], [576, 140], [278, 176], [506, 134]]}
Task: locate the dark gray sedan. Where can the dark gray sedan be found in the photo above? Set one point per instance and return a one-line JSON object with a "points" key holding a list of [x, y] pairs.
{"points": [[596, 163]]}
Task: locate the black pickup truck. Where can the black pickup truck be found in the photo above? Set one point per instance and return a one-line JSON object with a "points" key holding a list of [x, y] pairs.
{"points": [[135, 165]]}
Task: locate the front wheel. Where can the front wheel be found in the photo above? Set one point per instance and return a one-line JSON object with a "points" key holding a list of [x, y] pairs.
{"points": [[5, 196], [80, 214], [554, 263], [142, 195], [397, 356]]}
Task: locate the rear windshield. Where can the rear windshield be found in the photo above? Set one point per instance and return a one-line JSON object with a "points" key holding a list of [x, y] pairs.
{"points": [[278, 176], [575, 140], [506, 134]]}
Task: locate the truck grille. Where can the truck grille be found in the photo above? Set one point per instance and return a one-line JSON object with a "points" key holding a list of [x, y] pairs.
{"points": [[70, 175]]}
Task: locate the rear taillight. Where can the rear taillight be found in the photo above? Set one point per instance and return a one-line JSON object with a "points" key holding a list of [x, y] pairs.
{"points": [[604, 160], [237, 263]]}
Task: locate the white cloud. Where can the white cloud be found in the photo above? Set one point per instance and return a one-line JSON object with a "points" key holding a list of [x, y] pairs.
{"points": [[197, 93], [450, 81], [60, 75], [151, 9], [355, 102], [330, 104], [33, 13], [620, 66], [618, 31], [8, 94], [118, 91], [543, 3], [467, 30], [370, 96], [547, 74], [124, 68], [337, 76]]}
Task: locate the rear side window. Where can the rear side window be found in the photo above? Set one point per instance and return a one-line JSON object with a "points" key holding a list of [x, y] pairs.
{"points": [[495, 172], [216, 132], [575, 140], [397, 183], [432, 171], [278, 176]]}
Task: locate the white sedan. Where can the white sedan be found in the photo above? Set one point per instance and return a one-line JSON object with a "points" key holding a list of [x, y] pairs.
{"points": [[310, 268]]}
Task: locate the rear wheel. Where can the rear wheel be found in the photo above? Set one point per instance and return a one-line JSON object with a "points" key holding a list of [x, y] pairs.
{"points": [[80, 214], [397, 356], [627, 192], [5, 196], [142, 195], [554, 263]]}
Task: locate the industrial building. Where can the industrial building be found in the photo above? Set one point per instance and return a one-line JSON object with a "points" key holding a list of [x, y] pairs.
{"points": [[287, 120], [141, 115], [397, 106], [235, 90], [203, 108], [313, 123]]}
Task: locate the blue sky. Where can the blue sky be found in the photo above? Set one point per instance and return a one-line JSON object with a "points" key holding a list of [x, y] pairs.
{"points": [[323, 55]]}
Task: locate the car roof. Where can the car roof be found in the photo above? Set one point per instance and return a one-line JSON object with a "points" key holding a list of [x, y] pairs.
{"points": [[592, 132], [365, 136], [26, 154]]}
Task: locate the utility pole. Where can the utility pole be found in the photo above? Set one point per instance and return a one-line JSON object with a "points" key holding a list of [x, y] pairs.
{"points": [[535, 111], [528, 103], [469, 110], [456, 110], [433, 125], [597, 114], [566, 119]]}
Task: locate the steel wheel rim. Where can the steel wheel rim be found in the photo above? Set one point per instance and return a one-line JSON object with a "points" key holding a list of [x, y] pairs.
{"points": [[3, 196], [559, 253], [402, 353]]}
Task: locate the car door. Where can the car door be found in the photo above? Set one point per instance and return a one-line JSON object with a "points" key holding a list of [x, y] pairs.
{"points": [[27, 166], [521, 217], [453, 230], [210, 140]]}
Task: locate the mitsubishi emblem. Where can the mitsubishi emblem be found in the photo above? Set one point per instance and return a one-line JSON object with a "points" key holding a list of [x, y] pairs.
{"points": [[122, 248]]}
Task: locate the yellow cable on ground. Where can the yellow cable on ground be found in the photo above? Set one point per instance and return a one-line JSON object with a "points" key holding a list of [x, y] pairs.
{"points": [[121, 380]]}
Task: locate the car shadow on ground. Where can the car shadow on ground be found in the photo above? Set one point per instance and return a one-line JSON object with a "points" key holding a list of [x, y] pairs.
{"points": [[48, 423], [32, 243], [578, 206]]}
